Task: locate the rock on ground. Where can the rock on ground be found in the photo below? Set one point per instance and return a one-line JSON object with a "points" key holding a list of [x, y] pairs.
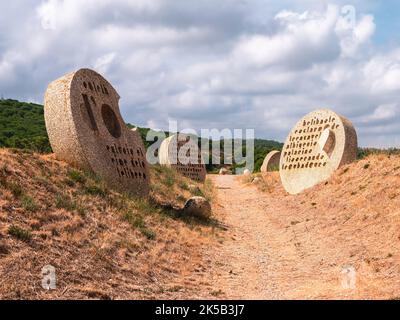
{"points": [[223, 171], [198, 207]]}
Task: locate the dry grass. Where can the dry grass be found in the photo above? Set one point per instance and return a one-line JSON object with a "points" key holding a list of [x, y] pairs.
{"points": [[104, 245], [170, 188], [351, 219]]}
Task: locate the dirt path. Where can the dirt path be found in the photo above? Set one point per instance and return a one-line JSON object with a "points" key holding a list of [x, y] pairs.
{"points": [[243, 259], [281, 247], [242, 267]]}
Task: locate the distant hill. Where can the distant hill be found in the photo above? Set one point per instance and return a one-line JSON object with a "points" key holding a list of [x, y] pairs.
{"points": [[22, 126], [261, 149]]}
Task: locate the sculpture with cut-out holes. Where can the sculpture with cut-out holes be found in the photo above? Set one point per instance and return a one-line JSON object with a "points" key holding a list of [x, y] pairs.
{"points": [[182, 153], [318, 145], [86, 129]]}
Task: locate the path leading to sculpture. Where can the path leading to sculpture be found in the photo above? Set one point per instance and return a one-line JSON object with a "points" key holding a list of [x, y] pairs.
{"points": [[279, 246], [240, 269], [244, 262]]}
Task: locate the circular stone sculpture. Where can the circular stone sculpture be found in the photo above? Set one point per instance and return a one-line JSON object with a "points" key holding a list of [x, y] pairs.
{"points": [[86, 129], [318, 145], [271, 161], [182, 153]]}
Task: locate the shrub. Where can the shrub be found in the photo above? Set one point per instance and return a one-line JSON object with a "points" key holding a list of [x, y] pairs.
{"points": [[96, 190], [19, 233], [144, 206], [29, 204], [197, 192], [65, 202], [16, 189], [169, 179], [209, 190], [184, 186], [138, 223], [76, 176], [81, 211], [149, 234], [69, 183], [168, 175]]}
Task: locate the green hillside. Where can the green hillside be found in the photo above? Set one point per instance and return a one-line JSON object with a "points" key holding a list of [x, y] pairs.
{"points": [[22, 126], [261, 149]]}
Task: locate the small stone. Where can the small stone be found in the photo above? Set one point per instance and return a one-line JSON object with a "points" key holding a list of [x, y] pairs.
{"points": [[198, 207], [223, 171], [257, 180], [246, 172]]}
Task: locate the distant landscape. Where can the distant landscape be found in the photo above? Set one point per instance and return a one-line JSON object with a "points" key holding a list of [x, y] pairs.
{"points": [[22, 126], [212, 152]]}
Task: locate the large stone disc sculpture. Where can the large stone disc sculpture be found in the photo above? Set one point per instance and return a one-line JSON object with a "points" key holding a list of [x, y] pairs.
{"points": [[318, 145], [86, 129], [271, 162], [182, 153]]}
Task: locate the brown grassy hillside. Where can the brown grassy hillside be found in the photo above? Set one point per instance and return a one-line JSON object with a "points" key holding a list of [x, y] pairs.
{"points": [[352, 219], [103, 244]]}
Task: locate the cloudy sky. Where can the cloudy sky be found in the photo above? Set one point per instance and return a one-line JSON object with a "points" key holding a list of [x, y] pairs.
{"points": [[258, 64]]}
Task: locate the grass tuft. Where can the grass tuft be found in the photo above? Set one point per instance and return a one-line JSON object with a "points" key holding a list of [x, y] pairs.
{"points": [[184, 186], [29, 204], [138, 223], [96, 189], [20, 234], [16, 189], [76, 176], [149, 234], [65, 202]]}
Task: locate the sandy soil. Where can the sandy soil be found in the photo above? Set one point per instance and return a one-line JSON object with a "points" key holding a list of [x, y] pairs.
{"points": [[339, 240], [244, 261], [261, 244]]}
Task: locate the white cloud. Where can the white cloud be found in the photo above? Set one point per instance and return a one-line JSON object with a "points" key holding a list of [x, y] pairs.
{"points": [[303, 39], [354, 37], [103, 63], [258, 64], [383, 112], [383, 72]]}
